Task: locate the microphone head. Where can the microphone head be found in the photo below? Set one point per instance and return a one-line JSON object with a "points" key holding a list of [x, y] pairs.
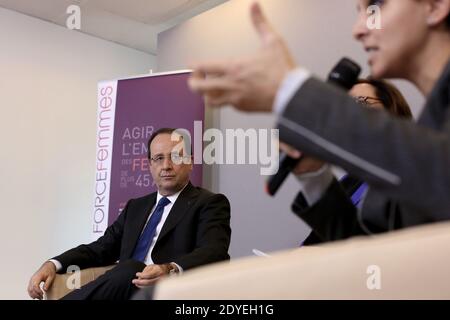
{"points": [[345, 74]]}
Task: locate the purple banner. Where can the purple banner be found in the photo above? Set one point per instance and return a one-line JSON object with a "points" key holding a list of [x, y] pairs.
{"points": [[144, 105]]}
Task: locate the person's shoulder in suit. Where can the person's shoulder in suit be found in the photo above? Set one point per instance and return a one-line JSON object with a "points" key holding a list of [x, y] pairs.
{"points": [[205, 193], [202, 195]]}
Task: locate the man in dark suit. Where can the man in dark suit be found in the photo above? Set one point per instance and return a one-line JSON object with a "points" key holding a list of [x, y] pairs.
{"points": [[175, 229]]}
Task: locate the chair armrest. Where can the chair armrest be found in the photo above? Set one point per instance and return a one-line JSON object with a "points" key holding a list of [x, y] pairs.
{"points": [[59, 287], [411, 263]]}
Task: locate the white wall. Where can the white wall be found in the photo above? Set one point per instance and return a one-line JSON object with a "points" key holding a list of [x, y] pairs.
{"points": [[48, 81], [319, 34]]}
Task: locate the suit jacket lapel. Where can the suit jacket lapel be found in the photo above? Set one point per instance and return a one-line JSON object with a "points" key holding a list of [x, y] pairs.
{"points": [[179, 209]]}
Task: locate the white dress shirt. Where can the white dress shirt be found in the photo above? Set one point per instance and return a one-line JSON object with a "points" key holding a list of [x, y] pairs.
{"points": [[167, 209]]}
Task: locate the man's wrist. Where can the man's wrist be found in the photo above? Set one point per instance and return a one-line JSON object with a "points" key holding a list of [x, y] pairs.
{"points": [[315, 185], [313, 174], [288, 87], [55, 263], [171, 268]]}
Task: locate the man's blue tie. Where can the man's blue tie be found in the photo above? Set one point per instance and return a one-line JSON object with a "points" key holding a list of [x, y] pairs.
{"points": [[140, 253], [358, 194]]}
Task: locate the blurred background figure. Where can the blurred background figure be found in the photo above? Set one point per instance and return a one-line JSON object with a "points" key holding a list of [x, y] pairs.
{"points": [[371, 93]]}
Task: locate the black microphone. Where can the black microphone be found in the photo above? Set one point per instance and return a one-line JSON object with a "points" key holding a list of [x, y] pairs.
{"points": [[344, 75]]}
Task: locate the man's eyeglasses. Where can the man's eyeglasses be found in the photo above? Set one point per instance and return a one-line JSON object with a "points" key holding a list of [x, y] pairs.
{"points": [[174, 157], [367, 101]]}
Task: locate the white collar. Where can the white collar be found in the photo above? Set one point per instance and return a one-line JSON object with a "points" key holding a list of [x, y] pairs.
{"points": [[172, 198]]}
